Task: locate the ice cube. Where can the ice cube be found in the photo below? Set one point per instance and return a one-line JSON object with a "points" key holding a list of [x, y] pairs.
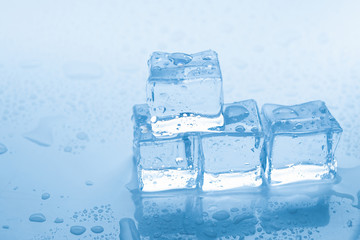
{"points": [[184, 92], [232, 155], [163, 163], [301, 142]]}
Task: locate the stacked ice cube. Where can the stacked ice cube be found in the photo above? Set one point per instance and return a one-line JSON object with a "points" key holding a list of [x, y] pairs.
{"points": [[185, 137]]}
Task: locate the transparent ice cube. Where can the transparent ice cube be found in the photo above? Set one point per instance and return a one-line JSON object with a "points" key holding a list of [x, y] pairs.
{"points": [[301, 142], [163, 163], [184, 92], [232, 155]]}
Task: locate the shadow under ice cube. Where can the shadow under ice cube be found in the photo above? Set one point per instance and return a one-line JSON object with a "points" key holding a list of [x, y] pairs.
{"points": [[163, 163], [184, 92], [301, 142], [232, 155]]}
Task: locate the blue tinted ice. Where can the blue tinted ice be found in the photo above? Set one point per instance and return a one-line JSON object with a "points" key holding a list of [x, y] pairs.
{"points": [[301, 142], [232, 155], [166, 215], [184, 92], [166, 163], [228, 216]]}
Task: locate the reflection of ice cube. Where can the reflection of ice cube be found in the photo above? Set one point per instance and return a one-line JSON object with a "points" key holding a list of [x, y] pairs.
{"points": [[184, 92], [232, 155], [227, 216], [163, 163], [166, 215], [294, 212], [301, 141]]}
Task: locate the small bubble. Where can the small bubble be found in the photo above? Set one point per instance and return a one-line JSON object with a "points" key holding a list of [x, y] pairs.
{"points": [[349, 223], [68, 149], [82, 136], [59, 220], [45, 196]]}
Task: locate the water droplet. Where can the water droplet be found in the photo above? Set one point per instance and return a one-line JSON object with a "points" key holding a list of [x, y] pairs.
{"points": [[82, 136], [221, 215], [240, 128], [180, 58], [349, 223], [285, 113], [3, 148], [5, 227], [68, 149], [97, 229], [235, 114], [59, 220], [298, 126], [37, 217], [77, 230], [83, 70], [89, 183], [45, 196]]}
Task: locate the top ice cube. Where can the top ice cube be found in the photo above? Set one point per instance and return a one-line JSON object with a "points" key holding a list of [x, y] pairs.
{"points": [[184, 92]]}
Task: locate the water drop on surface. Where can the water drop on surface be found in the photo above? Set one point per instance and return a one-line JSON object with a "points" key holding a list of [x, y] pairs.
{"points": [[45, 196], [82, 136], [59, 220], [3, 148], [97, 229], [180, 58], [77, 230], [5, 227], [37, 217], [89, 183], [285, 113], [68, 149]]}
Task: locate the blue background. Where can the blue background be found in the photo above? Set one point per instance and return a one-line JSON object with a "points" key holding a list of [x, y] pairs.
{"points": [[70, 72]]}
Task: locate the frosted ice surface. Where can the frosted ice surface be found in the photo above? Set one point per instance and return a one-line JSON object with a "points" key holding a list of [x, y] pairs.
{"points": [[301, 142], [232, 155], [184, 92], [163, 163]]}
